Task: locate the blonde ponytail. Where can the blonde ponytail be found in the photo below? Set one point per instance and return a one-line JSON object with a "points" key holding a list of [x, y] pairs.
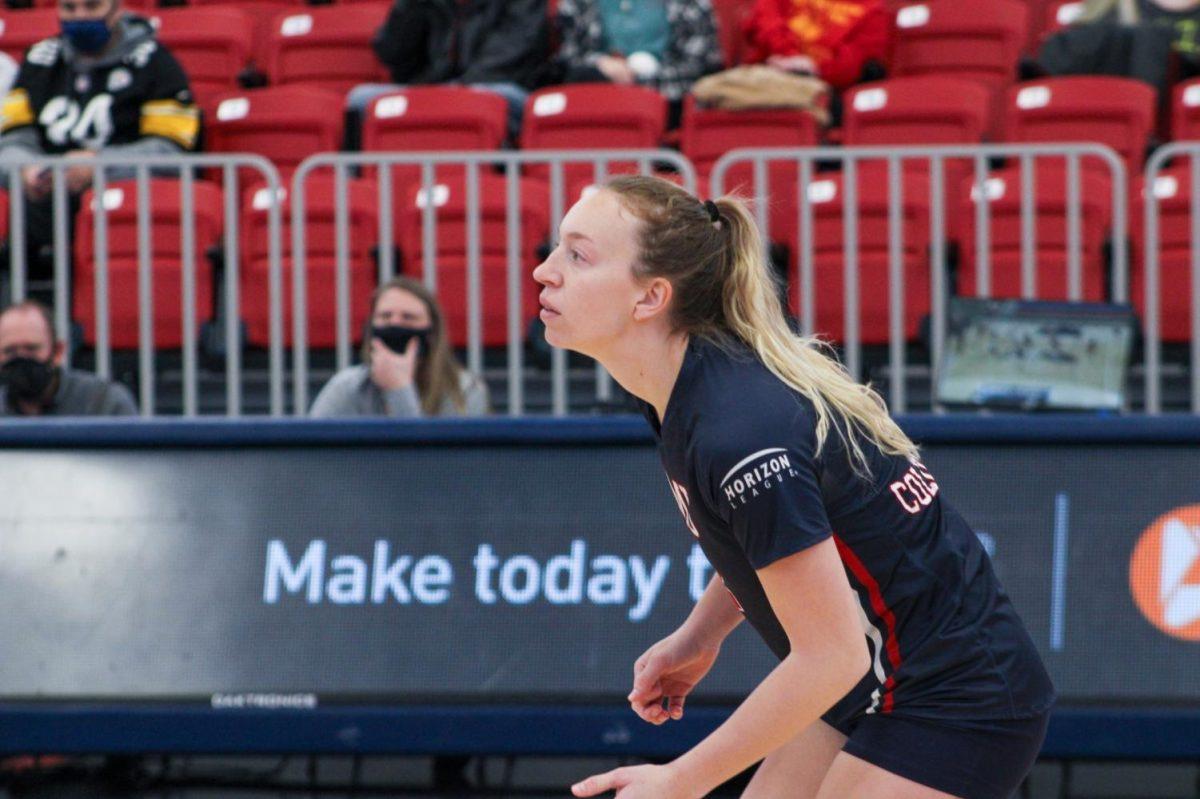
{"points": [[723, 286], [754, 314]]}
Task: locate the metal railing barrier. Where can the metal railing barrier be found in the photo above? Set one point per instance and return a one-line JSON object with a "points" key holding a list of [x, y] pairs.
{"points": [[545, 184], [1162, 183], [813, 187], [564, 172], [106, 197]]}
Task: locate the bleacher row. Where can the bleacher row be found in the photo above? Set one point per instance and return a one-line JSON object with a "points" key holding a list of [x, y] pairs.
{"points": [[217, 39], [975, 41]]}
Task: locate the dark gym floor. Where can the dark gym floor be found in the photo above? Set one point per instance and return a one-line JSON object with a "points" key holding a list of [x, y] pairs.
{"points": [[415, 778]]}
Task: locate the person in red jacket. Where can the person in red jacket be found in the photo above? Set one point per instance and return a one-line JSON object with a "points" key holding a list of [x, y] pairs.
{"points": [[832, 39]]}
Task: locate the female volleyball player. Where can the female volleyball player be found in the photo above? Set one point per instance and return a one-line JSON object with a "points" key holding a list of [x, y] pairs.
{"points": [[904, 670]]}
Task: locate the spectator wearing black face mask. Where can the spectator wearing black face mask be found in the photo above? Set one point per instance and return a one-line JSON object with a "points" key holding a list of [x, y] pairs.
{"points": [[33, 381], [408, 369]]}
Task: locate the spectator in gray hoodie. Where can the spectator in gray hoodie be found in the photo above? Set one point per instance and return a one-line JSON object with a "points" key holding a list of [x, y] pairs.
{"points": [[408, 368]]}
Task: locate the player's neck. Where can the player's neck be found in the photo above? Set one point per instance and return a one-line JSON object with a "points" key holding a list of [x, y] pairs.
{"points": [[648, 367]]}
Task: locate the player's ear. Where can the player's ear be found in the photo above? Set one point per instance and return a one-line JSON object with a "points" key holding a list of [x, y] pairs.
{"points": [[655, 296]]}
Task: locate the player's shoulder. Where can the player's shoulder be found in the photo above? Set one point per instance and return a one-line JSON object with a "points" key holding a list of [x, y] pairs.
{"points": [[147, 53], [729, 374], [728, 446], [786, 421], [142, 49], [44, 54], [743, 437], [733, 385]]}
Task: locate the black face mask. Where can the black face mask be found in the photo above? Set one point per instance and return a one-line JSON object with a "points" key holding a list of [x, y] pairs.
{"points": [[396, 338], [26, 379]]}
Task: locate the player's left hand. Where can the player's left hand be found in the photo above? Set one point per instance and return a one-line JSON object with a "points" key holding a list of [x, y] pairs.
{"points": [[634, 782]]}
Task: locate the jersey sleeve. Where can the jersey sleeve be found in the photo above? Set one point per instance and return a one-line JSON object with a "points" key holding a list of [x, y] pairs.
{"points": [[169, 111], [766, 483], [18, 111]]}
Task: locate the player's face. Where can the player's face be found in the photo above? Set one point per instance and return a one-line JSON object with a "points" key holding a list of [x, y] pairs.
{"points": [[589, 290]]}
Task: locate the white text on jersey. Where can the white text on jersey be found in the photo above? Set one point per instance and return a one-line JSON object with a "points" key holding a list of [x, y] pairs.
{"points": [[916, 489]]}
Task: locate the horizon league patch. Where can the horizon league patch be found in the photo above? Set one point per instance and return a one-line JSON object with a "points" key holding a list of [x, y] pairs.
{"points": [[756, 473]]}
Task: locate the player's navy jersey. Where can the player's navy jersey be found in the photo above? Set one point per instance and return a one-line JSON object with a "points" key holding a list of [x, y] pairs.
{"points": [[136, 90], [739, 447]]}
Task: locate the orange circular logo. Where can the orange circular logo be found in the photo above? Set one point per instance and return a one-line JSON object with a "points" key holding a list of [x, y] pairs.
{"points": [[1164, 573]]}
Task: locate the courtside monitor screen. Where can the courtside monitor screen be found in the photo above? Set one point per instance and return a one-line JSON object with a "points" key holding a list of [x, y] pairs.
{"points": [[1029, 355]]}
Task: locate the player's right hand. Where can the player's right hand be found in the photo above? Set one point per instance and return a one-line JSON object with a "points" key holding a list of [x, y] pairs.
{"points": [[665, 674]]}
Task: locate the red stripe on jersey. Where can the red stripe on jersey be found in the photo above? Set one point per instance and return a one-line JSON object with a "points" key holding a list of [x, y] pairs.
{"points": [[875, 594]]}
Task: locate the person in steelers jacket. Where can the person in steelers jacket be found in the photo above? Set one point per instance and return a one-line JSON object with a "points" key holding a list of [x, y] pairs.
{"points": [[104, 84]]}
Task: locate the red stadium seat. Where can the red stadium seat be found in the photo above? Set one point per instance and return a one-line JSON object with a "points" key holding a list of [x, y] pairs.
{"points": [[326, 46], [1057, 15], [918, 110], [250, 6], [285, 124], [978, 40], [263, 13], [1185, 111], [1003, 191], [120, 202], [1173, 190], [708, 133], [425, 118], [730, 14], [19, 30], [590, 116], [1034, 12], [926, 110], [435, 118], [1118, 112], [594, 115], [212, 43], [825, 194], [140, 6], [1047, 17], [451, 255], [320, 263]]}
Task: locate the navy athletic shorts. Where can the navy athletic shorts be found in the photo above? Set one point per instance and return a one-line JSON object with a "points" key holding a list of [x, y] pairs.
{"points": [[967, 759]]}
